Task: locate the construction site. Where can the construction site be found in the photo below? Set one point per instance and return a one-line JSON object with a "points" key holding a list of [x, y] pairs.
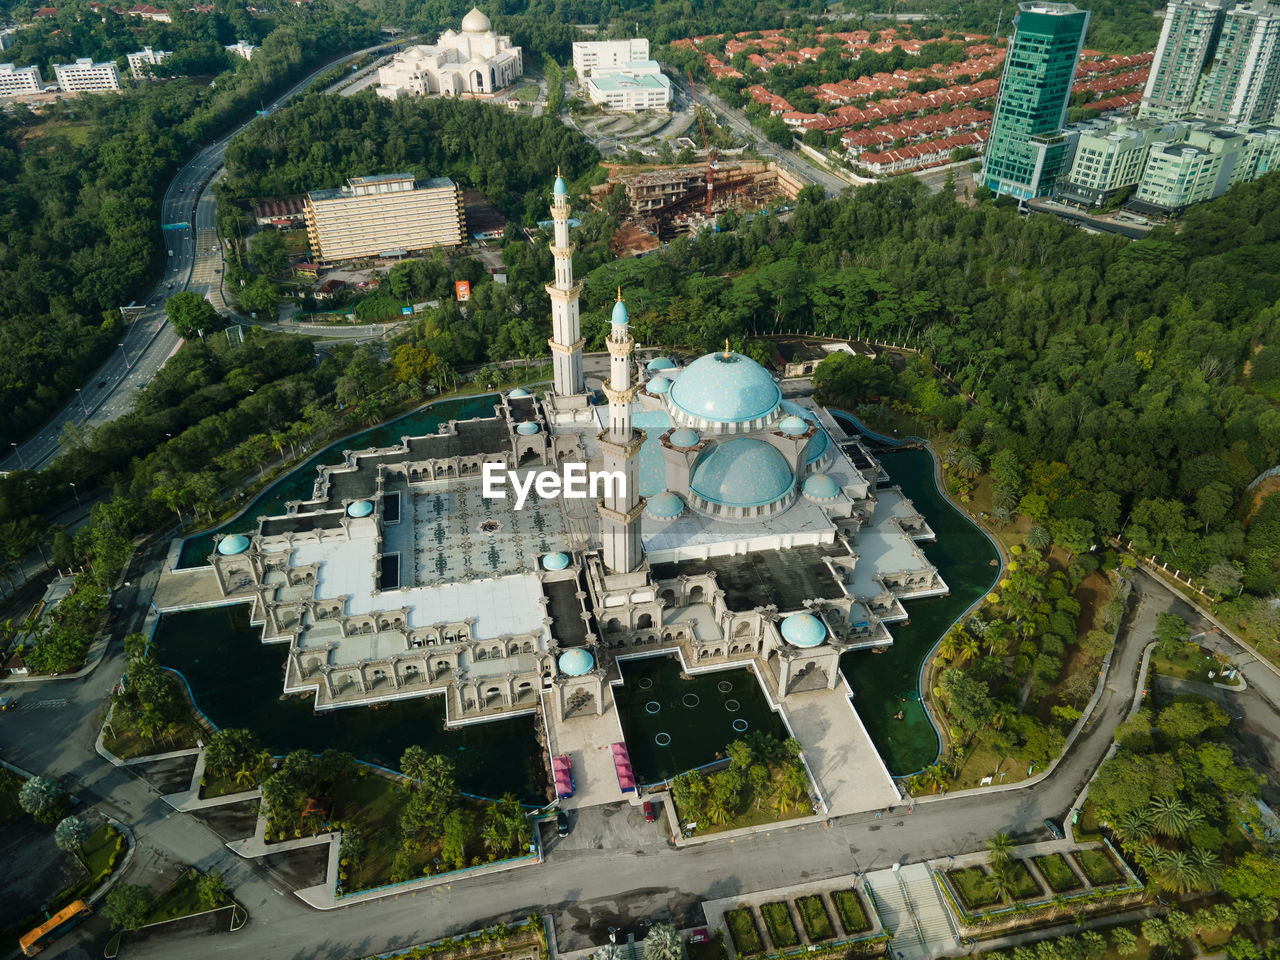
{"points": [[668, 202]]}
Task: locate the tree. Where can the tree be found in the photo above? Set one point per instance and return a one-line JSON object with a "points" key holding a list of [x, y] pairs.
{"points": [[457, 831], [1189, 719], [230, 749], [1169, 815], [1157, 932], [1254, 874], [1094, 944], [662, 942], [128, 905], [1038, 538], [266, 251], [1171, 632], [999, 848], [212, 888], [71, 833], [1125, 941], [43, 798], [190, 313]]}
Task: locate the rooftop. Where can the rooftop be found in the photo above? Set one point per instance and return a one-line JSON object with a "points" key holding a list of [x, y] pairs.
{"points": [[783, 578]]}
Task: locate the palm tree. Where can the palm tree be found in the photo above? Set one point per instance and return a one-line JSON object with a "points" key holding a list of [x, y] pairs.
{"points": [[492, 836], [999, 847], [1170, 816], [1150, 855], [971, 648], [1207, 866], [1134, 827], [1038, 538], [662, 943], [1177, 873], [718, 812], [949, 648], [244, 776], [1000, 881], [969, 465]]}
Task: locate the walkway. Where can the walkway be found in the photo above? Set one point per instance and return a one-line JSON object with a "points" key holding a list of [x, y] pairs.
{"points": [[911, 908], [585, 741]]}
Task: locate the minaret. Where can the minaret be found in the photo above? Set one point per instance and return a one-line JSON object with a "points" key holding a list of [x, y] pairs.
{"points": [[565, 342], [620, 443]]}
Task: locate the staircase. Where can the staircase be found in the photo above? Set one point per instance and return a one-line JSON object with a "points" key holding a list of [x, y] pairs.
{"points": [[911, 909]]}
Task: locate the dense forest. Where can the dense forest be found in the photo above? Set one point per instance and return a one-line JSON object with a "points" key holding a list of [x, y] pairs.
{"points": [[79, 207]]}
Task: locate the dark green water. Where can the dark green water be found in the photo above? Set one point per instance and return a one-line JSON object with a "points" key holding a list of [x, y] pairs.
{"points": [[236, 680], [886, 683], [300, 482], [699, 728]]}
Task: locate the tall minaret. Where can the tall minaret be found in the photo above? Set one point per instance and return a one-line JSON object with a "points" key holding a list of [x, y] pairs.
{"points": [[620, 509], [565, 342]]}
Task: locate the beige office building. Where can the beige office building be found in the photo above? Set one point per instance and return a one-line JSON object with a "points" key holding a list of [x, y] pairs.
{"points": [[386, 215]]}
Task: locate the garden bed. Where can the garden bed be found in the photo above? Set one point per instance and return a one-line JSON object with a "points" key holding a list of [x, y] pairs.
{"points": [[852, 915], [1058, 873], [1098, 866], [972, 886], [777, 920], [743, 932], [1025, 885], [813, 914], [123, 738], [181, 899]]}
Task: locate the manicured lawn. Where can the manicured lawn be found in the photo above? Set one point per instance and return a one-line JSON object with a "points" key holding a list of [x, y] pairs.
{"points": [[127, 742], [527, 92], [813, 914], [777, 920], [742, 929], [220, 785], [971, 884], [1191, 662], [1097, 866], [180, 900], [103, 845], [1056, 871], [1025, 886], [852, 917]]}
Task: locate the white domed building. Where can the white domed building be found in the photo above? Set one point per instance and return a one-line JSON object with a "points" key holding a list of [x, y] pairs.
{"points": [[472, 62]]}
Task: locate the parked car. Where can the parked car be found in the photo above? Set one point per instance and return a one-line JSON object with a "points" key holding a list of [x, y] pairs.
{"points": [[650, 814], [1053, 827], [562, 824]]}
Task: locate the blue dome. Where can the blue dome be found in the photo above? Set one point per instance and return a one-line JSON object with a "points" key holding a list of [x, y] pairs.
{"points": [[527, 429], [664, 506], [620, 312], [820, 487], [793, 426], [555, 561], [660, 363], [658, 385], [684, 437], [576, 662], [725, 389], [742, 473], [559, 189], [518, 392], [803, 630], [818, 444], [230, 546], [360, 508]]}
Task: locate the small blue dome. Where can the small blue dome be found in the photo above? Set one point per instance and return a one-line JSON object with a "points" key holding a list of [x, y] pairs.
{"points": [[576, 662], [555, 561], [803, 630], [725, 388], [684, 437], [559, 189], [527, 429], [230, 546], [742, 473], [792, 426], [658, 385], [660, 363], [360, 508], [518, 392], [820, 487], [664, 506], [620, 312], [818, 444]]}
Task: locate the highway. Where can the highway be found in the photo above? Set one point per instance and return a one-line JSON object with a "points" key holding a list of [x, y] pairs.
{"points": [[190, 210]]}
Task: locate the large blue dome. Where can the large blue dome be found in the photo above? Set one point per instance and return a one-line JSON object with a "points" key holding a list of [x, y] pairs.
{"points": [[725, 388], [803, 630], [742, 473], [576, 662]]}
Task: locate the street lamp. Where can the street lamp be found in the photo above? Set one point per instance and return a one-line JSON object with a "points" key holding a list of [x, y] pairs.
{"points": [[81, 399], [125, 353], [71, 484], [18, 450]]}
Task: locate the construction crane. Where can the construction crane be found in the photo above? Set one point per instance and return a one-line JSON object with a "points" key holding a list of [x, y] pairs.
{"points": [[711, 153]]}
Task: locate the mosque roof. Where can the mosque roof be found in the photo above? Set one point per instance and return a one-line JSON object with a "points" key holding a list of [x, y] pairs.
{"points": [[684, 437], [803, 630], [576, 662], [818, 444], [230, 546], [660, 363], [555, 561], [476, 22], [360, 508], [664, 506], [518, 392], [820, 487], [527, 429], [658, 385], [742, 473], [559, 188], [725, 388], [619, 312], [792, 425]]}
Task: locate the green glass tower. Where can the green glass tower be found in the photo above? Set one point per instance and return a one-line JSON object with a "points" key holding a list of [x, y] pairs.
{"points": [[1027, 149]]}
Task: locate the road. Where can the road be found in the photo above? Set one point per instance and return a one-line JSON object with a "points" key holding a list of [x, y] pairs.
{"points": [[612, 870], [148, 341]]}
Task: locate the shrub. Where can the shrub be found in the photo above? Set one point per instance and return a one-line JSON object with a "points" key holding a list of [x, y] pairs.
{"points": [[813, 915], [742, 929], [852, 916], [777, 920]]}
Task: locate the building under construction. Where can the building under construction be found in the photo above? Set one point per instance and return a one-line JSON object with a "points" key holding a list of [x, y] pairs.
{"points": [[667, 203]]}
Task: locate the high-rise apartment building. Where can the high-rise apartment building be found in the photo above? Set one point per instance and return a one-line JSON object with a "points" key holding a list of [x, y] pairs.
{"points": [[1028, 149], [141, 61], [592, 55], [1110, 158], [1243, 83], [1187, 42], [1203, 162], [86, 76], [385, 215]]}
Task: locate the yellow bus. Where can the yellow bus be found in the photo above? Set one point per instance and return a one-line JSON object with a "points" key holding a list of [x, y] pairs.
{"points": [[53, 928]]}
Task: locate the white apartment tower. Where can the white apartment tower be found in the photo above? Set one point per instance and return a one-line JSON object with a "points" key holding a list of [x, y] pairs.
{"points": [[621, 505], [17, 81], [1243, 84], [86, 76], [1187, 41]]}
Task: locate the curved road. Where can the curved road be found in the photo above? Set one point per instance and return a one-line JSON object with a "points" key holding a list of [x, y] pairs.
{"points": [[149, 340]]}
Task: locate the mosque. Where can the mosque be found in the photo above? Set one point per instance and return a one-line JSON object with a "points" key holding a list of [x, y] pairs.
{"points": [[749, 532], [474, 62]]}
